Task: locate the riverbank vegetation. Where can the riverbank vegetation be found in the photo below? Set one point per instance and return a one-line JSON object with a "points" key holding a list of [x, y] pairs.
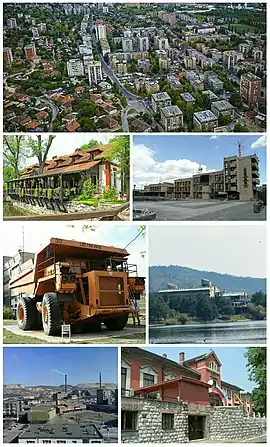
{"points": [[172, 309]]}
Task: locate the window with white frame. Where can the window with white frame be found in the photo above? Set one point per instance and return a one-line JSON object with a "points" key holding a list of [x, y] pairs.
{"points": [[213, 366], [148, 376], [125, 376]]}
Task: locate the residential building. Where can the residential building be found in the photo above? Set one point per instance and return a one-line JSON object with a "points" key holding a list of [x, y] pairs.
{"points": [[241, 177], [12, 23], [75, 68], [183, 188], [171, 118], [230, 58], [206, 120], [35, 33], [143, 65], [213, 82], [223, 108], [127, 45], [161, 43], [257, 54], [30, 52], [160, 100], [7, 55], [101, 31], [61, 434], [188, 98], [244, 48], [164, 63], [190, 62], [250, 88], [170, 18], [105, 47], [12, 267], [94, 72], [12, 408], [143, 43]]}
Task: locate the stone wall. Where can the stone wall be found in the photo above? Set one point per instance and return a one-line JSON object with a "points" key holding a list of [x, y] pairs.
{"points": [[71, 207], [149, 421], [221, 423], [225, 423]]}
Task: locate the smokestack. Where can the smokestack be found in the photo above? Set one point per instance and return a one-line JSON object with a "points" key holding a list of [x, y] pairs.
{"points": [[164, 355], [100, 381], [65, 383], [181, 357]]}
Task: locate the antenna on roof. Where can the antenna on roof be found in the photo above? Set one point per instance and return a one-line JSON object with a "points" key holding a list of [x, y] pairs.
{"points": [[200, 169], [239, 149]]}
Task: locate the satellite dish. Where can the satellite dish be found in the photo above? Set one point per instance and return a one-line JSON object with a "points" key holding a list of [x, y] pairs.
{"points": [[211, 382]]}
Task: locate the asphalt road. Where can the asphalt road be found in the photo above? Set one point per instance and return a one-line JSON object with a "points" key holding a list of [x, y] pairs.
{"points": [[204, 210], [54, 110]]}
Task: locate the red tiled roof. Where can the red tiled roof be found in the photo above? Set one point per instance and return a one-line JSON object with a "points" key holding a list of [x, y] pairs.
{"points": [[32, 125], [41, 114], [78, 167], [72, 127]]}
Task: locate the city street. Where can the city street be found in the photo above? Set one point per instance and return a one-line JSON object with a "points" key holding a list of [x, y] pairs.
{"points": [[202, 210]]}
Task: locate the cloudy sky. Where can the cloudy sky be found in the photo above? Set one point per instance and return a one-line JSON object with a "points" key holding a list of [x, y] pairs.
{"points": [[37, 235], [234, 249], [159, 158], [64, 144]]}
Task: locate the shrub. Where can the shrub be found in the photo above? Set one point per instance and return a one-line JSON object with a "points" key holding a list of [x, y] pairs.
{"points": [[7, 313], [88, 190], [110, 193]]}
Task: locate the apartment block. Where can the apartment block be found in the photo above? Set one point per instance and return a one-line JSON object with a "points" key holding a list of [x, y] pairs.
{"points": [[171, 118], [223, 108], [160, 100], [241, 177], [7, 55], [94, 72], [205, 121], [75, 68], [250, 88], [30, 52]]}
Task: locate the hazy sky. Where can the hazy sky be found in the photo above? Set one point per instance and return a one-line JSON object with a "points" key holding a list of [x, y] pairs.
{"points": [[37, 235], [234, 249], [37, 365]]}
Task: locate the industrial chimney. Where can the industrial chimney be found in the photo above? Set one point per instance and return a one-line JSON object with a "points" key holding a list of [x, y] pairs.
{"points": [[100, 386], [66, 390], [181, 357]]}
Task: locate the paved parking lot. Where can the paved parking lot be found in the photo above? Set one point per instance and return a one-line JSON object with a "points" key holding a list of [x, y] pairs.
{"points": [[202, 210]]}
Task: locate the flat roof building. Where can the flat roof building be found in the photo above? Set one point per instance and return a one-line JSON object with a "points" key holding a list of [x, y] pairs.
{"points": [[205, 120], [160, 100], [188, 98], [171, 118], [61, 433], [224, 108]]}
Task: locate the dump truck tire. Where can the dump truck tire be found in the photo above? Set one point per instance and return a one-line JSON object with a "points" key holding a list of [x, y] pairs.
{"points": [[51, 315], [117, 323], [26, 313]]}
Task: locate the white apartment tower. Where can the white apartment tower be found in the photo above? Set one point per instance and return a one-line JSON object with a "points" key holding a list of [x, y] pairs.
{"points": [[94, 72], [75, 68]]}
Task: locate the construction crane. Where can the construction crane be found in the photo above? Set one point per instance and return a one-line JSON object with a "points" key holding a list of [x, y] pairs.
{"points": [[239, 150]]}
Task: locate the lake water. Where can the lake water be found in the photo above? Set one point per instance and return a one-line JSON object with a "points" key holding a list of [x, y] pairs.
{"points": [[248, 332]]}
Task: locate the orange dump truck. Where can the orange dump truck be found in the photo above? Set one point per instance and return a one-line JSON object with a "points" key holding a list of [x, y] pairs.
{"points": [[79, 284]]}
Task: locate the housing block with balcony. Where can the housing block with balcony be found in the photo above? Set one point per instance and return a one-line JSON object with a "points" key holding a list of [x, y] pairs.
{"points": [[168, 401]]}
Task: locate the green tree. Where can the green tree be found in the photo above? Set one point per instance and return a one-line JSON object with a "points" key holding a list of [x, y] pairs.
{"points": [[256, 363], [158, 309], [14, 151], [8, 173], [40, 148], [206, 309], [90, 144], [119, 153], [259, 298]]}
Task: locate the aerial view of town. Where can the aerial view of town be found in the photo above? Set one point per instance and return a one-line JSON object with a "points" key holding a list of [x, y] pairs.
{"points": [[147, 67], [71, 398], [209, 178]]}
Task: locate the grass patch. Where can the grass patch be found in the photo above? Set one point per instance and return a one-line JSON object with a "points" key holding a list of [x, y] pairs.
{"points": [[93, 202], [9, 322], [10, 338]]}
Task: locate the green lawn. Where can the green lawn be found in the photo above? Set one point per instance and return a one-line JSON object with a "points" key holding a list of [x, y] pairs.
{"points": [[9, 338]]}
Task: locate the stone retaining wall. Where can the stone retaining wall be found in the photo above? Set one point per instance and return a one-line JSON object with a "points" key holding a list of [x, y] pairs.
{"points": [[221, 423], [71, 207], [225, 423], [149, 421]]}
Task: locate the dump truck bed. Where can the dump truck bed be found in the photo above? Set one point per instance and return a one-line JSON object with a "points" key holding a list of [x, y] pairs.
{"points": [[58, 250]]}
